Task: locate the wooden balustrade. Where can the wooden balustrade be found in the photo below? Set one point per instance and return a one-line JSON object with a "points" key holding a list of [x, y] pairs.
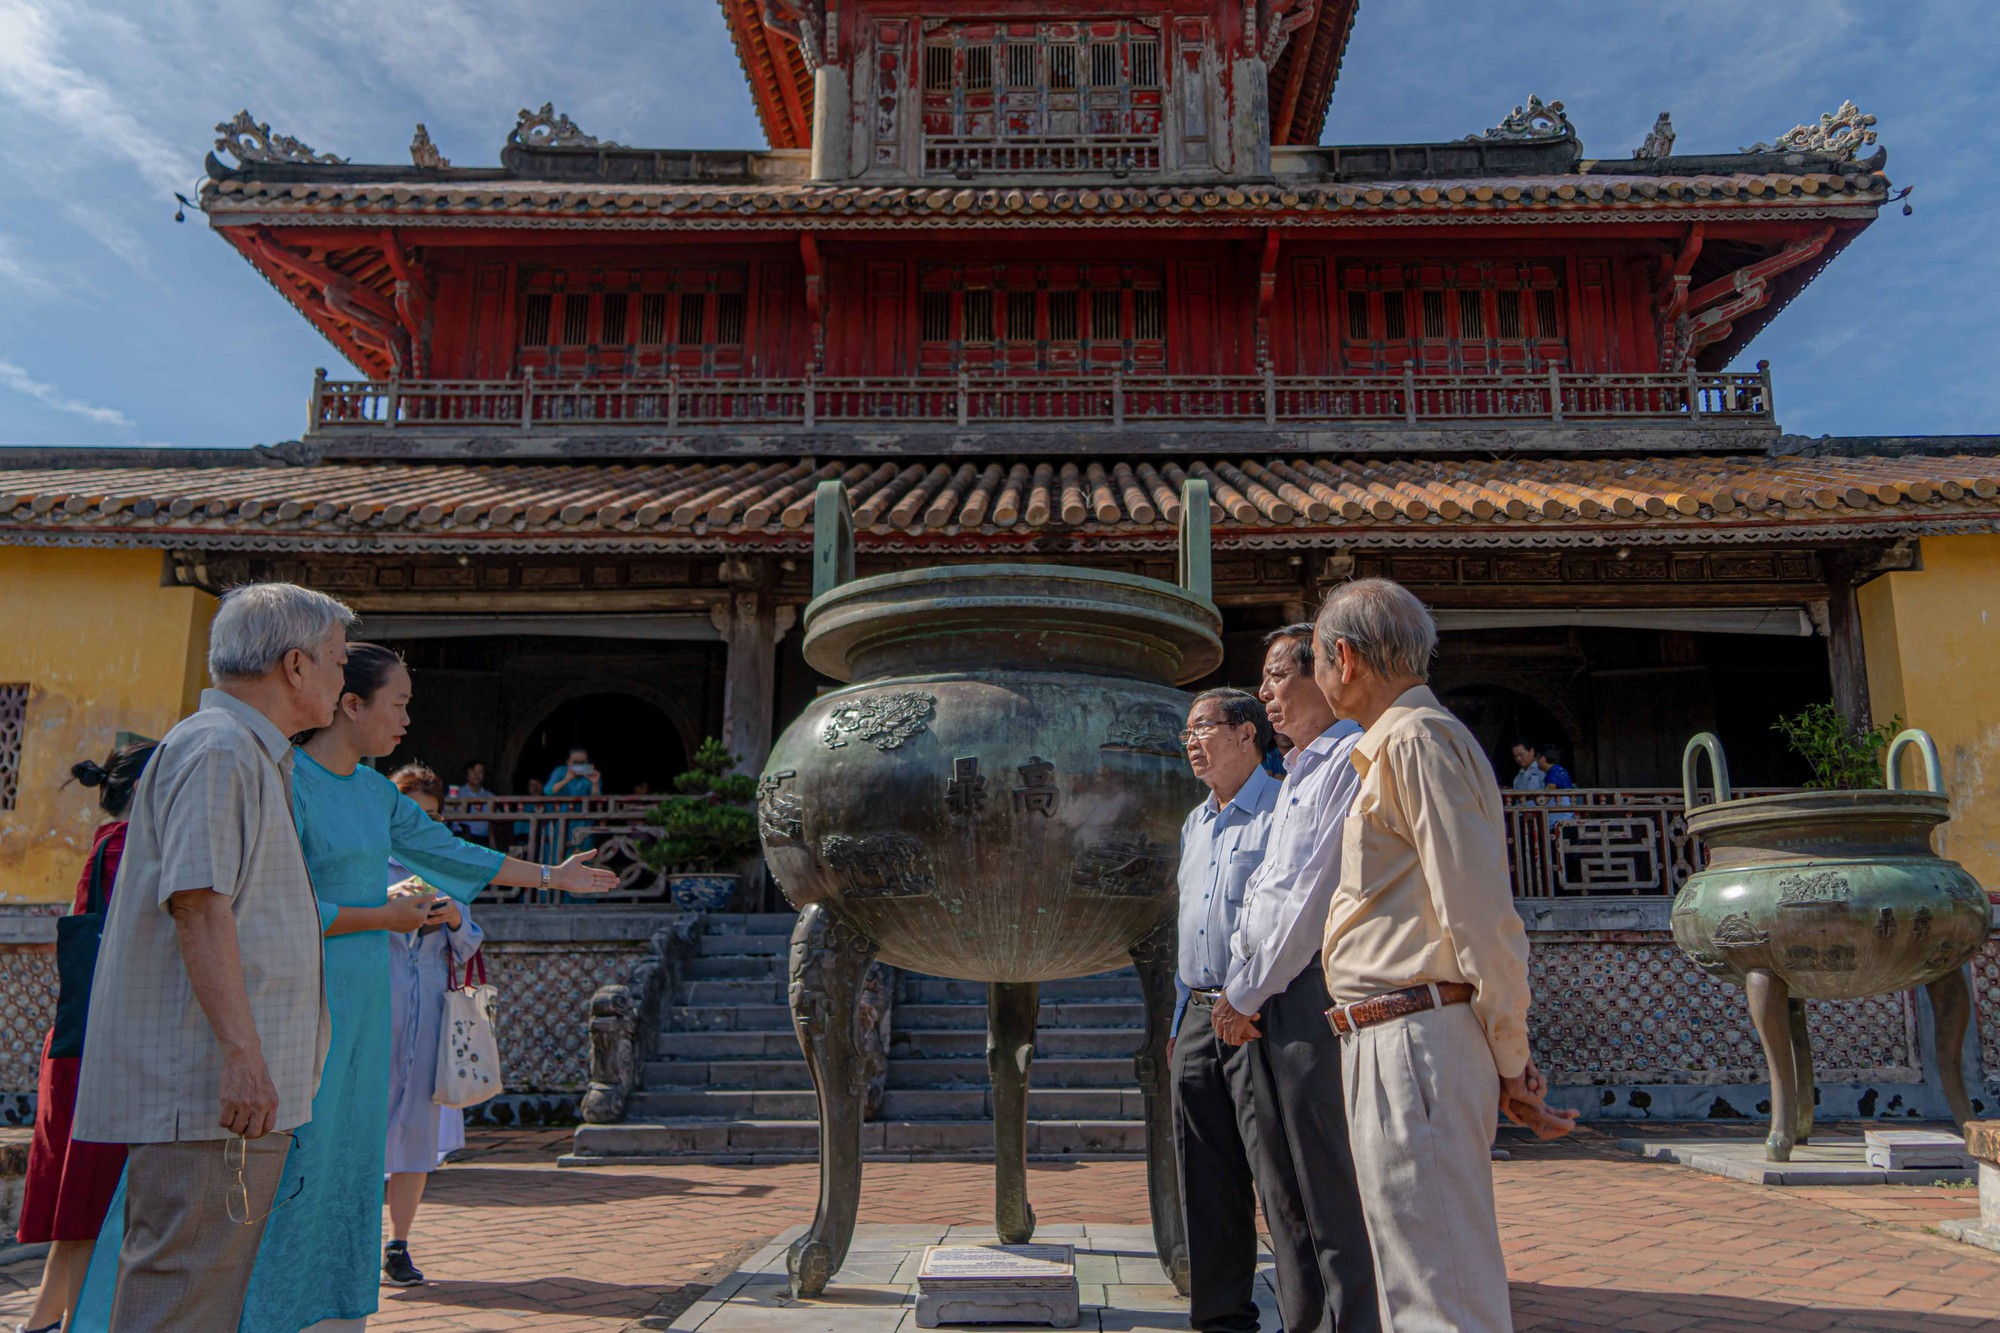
{"points": [[1110, 399], [1585, 842]]}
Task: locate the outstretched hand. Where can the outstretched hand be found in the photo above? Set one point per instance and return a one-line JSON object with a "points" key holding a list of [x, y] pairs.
{"points": [[573, 876]]}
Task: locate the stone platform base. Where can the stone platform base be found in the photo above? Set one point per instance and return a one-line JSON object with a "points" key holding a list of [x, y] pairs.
{"points": [[1972, 1231], [1120, 1286], [1835, 1159]]}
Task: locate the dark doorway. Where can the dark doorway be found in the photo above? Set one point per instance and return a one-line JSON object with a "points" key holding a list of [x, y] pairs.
{"points": [[631, 742], [1499, 716]]}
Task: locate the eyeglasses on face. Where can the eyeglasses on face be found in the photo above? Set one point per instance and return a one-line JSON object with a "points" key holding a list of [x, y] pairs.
{"points": [[1202, 729]]}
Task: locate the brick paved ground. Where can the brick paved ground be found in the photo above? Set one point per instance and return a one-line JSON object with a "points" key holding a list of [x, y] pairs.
{"points": [[1596, 1240]]}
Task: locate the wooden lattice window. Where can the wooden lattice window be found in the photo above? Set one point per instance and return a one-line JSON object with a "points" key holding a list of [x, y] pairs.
{"points": [[1041, 317], [13, 732], [1058, 97], [634, 323], [1494, 317]]}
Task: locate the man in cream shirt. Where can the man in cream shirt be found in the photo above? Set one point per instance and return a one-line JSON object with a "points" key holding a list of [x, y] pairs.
{"points": [[1427, 966]]}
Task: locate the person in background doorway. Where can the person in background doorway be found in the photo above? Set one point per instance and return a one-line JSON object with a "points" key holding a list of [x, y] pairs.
{"points": [[1528, 760], [473, 788], [69, 1184], [575, 778], [422, 966], [1554, 775]]}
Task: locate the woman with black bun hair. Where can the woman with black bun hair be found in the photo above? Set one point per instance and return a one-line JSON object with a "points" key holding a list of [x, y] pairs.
{"points": [[69, 1184]]}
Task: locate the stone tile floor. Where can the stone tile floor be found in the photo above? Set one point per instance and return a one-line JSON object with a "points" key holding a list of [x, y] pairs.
{"points": [[1596, 1240]]}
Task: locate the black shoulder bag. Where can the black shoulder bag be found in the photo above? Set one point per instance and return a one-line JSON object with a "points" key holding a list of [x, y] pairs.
{"points": [[76, 961]]}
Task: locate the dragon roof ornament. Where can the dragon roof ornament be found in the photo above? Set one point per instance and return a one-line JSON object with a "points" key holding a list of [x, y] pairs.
{"points": [[546, 129], [1840, 134], [251, 141], [1660, 141], [424, 153], [1538, 120]]}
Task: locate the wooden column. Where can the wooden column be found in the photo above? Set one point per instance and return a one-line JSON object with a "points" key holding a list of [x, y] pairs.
{"points": [[751, 627], [1846, 662]]}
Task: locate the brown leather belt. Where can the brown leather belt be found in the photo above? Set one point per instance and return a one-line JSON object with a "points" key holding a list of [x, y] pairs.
{"points": [[1346, 1018]]}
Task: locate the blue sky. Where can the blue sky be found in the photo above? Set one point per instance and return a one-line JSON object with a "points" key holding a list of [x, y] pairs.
{"points": [[122, 328]]}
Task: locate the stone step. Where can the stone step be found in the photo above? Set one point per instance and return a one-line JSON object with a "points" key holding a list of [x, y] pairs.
{"points": [[728, 1045], [947, 990], [730, 1018], [749, 923], [949, 1043], [698, 994], [736, 944], [779, 1074], [973, 1104], [1047, 1072], [737, 967], [680, 1140], [1081, 1014]]}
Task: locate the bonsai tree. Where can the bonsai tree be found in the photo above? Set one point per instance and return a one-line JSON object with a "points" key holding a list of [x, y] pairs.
{"points": [[1842, 757], [707, 824]]}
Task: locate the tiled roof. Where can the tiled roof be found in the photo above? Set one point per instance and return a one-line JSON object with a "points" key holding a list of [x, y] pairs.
{"points": [[1130, 500], [1806, 194]]}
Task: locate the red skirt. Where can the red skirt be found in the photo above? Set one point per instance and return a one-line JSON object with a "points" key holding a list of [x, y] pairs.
{"points": [[69, 1186]]}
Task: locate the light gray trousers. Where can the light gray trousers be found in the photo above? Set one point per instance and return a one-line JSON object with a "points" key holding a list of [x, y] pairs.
{"points": [[1423, 1102]]}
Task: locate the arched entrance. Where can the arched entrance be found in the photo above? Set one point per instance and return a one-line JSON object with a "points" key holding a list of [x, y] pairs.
{"points": [[1499, 716], [633, 742]]}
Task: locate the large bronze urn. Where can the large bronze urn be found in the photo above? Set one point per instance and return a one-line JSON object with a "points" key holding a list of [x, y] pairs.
{"points": [[995, 796], [1830, 895]]}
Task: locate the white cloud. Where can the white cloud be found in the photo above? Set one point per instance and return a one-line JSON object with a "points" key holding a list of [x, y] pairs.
{"points": [[18, 272], [20, 381]]}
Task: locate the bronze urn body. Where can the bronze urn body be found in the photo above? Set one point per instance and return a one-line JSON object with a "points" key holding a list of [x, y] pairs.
{"points": [[995, 796], [1830, 895]]}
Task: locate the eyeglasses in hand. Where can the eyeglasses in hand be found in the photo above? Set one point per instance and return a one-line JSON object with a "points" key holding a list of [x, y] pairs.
{"points": [[236, 1157]]}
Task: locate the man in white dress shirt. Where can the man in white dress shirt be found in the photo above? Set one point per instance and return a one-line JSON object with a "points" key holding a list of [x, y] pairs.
{"points": [[1222, 844], [1273, 1006]]}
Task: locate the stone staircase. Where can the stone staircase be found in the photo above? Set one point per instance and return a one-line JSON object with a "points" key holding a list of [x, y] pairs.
{"points": [[725, 1080]]}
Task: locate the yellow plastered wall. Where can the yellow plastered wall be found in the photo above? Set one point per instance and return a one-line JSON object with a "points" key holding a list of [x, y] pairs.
{"points": [[103, 648], [1932, 638]]}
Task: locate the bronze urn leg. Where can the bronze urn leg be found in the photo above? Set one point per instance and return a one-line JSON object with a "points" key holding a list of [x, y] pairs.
{"points": [[1951, 1013], [1154, 957], [1770, 1012], [1012, 1009], [1802, 1061], [829, 961]]}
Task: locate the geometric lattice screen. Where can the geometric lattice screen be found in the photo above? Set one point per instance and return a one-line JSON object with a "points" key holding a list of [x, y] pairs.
{"points": [[13, 726]]}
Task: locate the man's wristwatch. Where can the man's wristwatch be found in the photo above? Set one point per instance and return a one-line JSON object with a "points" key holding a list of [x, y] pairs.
{"points": [[547, 872]]}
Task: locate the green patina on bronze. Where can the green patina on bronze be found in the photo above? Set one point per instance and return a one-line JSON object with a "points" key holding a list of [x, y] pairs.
{"points": [[996, 796], [1829, 895]]}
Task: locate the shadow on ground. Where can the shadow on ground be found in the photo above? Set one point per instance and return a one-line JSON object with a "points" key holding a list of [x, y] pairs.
{"points": [[502, 1187], [1550, 1309]]}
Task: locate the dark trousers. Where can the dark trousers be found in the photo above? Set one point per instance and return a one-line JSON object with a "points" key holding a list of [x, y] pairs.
{"points": [[1295, 1129], [1218, 1196]]}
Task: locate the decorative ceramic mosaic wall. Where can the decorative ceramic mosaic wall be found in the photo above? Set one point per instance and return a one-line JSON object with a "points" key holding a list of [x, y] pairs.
{"points": [[1986, 1004], [1642, 1013], [543, 1016], [27, 1009]]}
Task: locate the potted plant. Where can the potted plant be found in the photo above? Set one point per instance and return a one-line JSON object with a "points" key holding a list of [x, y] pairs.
{"points": [[1832, 893], [705, 827]]}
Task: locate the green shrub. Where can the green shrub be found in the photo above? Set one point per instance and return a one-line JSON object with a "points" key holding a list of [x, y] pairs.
{"points": [[708, 825], [1842, 757]]}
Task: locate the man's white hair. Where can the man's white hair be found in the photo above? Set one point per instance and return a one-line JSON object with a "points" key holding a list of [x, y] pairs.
{"points": [[259, 623], [1383, 624]]}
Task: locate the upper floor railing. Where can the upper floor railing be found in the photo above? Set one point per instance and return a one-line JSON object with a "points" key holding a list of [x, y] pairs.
{"points": [[1583, 842], [1107, 399]]}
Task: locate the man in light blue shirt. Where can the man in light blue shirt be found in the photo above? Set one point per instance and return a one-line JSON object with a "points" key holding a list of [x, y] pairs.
{"points": [[1222, 843]]}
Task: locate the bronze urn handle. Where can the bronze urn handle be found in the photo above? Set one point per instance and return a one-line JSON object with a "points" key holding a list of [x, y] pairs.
{"points": [[1933, 767], [1707, 743]]}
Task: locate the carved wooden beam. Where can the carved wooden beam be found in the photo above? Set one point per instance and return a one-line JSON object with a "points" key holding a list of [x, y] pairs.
{"points": [[1713, 308], [1279, 19], [1267, 294], [815, 298], [415, 290], [278, 262], [804, 21]]}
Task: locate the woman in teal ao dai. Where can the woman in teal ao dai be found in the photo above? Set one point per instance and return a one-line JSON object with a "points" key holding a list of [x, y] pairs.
{"points": [[322, 1249]]}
